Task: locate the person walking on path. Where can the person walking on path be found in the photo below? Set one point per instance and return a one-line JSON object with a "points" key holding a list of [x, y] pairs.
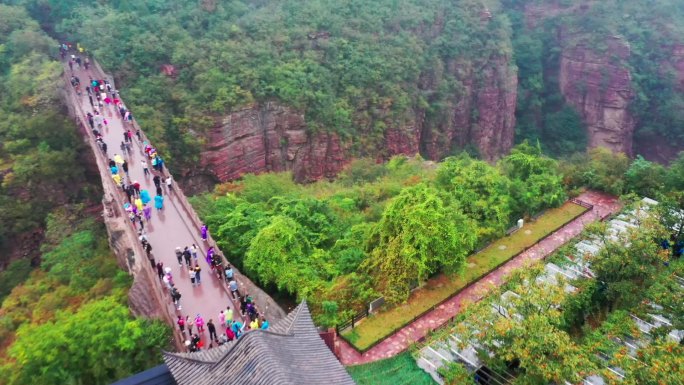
{"points": [[147, 211], [212, 330], [169, 184], [179, 256], [159, 191], [145, 166], [124, 166], [203, 231], [193, 251], [148, 250], [189, 324], [254, 324], [234, 289], [160, 270], [139, 204], [176, 296], [197, 270], [210, 255], [229, 316], [199, 322], [181, 324], [229, 273], [222, 318], [187, 256], [145, 197], [157, 180], [159, 202], [192, 277]]}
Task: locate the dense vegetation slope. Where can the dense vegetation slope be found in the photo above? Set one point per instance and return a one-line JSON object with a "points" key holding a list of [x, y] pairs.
{"points": [[355, 68], [39, 148], [63, 313], [650, 31]]}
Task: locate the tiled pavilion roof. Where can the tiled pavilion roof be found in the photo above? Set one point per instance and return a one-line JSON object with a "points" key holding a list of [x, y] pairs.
{"points": [[290, 352]]}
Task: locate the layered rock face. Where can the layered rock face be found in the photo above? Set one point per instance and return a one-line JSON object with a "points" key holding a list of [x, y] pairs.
{"points": [[599, 87], [483, 114], [273, 137]]}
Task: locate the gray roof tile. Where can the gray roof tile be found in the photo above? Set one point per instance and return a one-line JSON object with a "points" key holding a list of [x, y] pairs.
{"points": [[290, 352]]}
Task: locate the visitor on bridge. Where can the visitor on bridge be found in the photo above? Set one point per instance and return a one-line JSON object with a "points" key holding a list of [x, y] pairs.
{"points": [[229, 272], [118, 159], [212, 330], [160, 270], [145, 196], [254, 325], [193, 251], [199, 322], [197, 270], [147, 212], [145, 166], [117, 179], [181, 324], [179, 256], [203, 230], [169, 183], [192, 277], [187, 257], [210, 255], [138, 205], [222, 318], [159, 202], [234, 289], [229, 315]]}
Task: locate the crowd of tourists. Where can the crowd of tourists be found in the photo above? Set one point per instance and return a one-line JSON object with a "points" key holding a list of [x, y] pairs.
{"points": [[105, 105]]}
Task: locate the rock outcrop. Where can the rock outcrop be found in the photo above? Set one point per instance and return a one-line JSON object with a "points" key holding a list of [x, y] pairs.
{"points": [[483, 114], [676, 65], [273, 137], [598, 86]]}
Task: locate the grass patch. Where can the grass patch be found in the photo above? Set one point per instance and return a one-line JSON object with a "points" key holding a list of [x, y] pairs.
{"points": [[380, 325], [398, 370]]}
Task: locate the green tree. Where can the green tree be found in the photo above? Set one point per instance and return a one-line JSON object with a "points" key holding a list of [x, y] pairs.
{"points": [[417, 235], [674, 179], [645, 178], [481, 192], [278, 254], [98, 344], [536, 183], [599, 169], [625, 267]]}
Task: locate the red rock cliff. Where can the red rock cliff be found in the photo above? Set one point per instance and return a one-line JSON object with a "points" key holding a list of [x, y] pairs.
{"points": [[482, 114], [598, 86], [272, 137]]}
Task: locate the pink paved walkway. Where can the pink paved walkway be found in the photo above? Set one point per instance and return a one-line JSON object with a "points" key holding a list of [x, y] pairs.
{"points": [[169, 228], [604, 205]]}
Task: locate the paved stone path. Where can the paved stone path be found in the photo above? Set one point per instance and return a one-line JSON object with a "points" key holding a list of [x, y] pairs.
{"points": [[169, 228], [604, 205]]}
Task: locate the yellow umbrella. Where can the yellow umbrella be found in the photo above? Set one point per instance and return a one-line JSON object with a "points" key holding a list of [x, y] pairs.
{"points": [[138, 204], [118, 159]]}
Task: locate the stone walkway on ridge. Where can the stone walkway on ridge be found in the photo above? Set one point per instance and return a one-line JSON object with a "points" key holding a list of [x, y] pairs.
{"points": [[170, 228], [604, 205]]}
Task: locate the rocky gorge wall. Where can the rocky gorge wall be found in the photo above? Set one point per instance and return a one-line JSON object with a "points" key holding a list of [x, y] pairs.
{"points": [[273, 137], [598, 86]]}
